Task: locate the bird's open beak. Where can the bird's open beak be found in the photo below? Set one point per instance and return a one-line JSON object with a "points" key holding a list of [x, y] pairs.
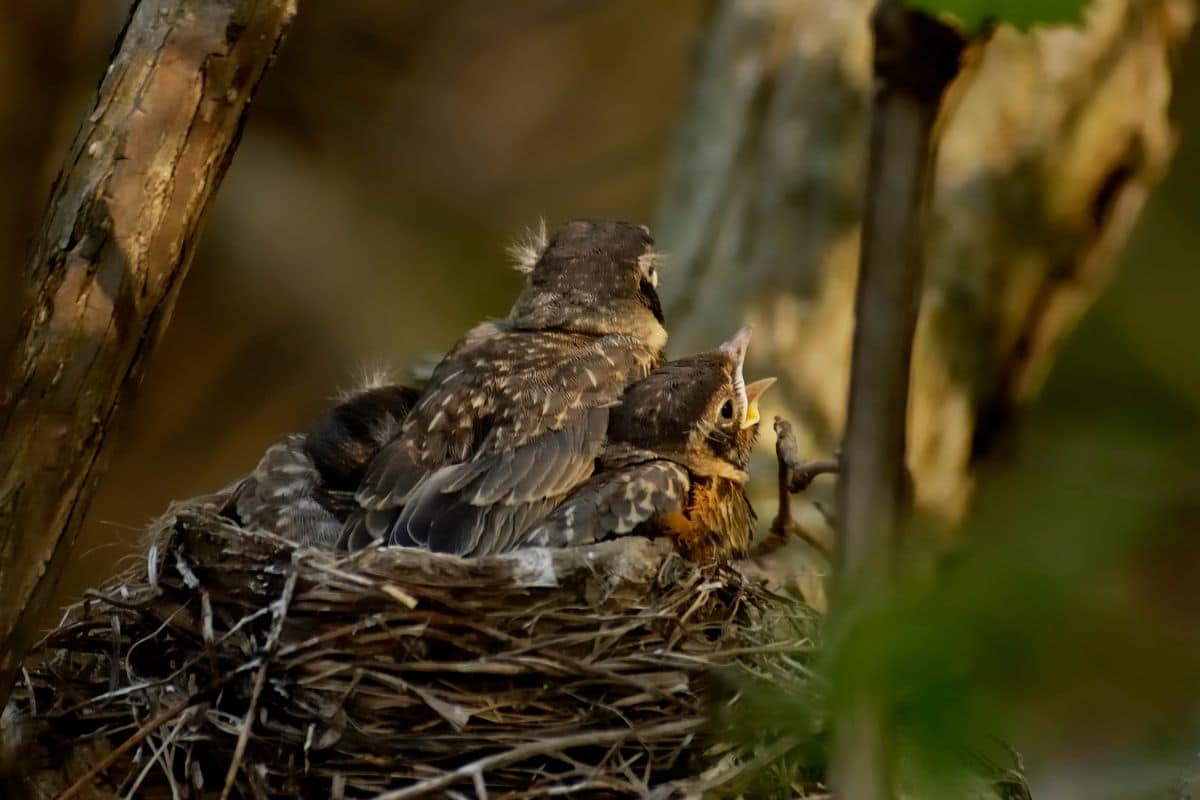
{"points": [[737, 347], [753, 392]]}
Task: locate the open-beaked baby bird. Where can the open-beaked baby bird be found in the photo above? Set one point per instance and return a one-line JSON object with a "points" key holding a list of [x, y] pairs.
{"points": [[675, 461], [515, 415]]}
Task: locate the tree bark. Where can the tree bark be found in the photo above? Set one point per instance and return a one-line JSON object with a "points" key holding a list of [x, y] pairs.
{"points": [[122, 225], [1044, 164]]}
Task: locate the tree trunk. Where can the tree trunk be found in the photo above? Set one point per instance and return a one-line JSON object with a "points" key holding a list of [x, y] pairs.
{"points": [[121, 228], [1044, 164]]}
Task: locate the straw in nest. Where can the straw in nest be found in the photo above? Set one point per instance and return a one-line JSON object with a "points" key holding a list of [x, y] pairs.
{"points": [[234, 663]]}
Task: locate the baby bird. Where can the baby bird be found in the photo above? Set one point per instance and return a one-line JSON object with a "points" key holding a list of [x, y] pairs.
{"points": [[303, 487], [675, 462], [515, 415]]}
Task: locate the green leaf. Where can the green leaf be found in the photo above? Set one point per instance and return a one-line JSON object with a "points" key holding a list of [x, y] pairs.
{"points": [[1022, 14]]}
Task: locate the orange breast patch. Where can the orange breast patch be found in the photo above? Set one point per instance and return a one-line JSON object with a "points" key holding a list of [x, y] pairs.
{"points": [[676, 524]]}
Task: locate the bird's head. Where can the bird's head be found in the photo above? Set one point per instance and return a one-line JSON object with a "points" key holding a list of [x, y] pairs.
{"points": [[592, 276], [697, 410]]}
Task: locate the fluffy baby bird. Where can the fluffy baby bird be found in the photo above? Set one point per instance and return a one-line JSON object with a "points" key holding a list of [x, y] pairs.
{"points": [[675, 461], [303, 487], [515, 415]]}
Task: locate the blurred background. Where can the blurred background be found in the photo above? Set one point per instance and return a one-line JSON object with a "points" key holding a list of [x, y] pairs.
{"points": [[398, 147]]}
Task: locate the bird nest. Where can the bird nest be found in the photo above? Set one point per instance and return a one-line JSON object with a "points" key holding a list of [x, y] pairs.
{"points": [[233, 662]]}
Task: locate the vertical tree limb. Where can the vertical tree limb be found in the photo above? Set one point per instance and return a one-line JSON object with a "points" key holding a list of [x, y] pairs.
{"points": [[916, 58], [122, 225]]}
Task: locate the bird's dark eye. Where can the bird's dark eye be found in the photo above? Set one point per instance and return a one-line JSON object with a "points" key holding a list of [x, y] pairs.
{"points": [[727, 410]]}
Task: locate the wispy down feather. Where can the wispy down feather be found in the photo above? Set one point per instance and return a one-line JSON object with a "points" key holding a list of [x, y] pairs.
{"points": [[526, 251], [652, 259], [368, 377]]}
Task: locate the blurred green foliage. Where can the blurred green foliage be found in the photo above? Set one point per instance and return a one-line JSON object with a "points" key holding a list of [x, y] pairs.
{"points": [[1022, 14], [1062, 624]]}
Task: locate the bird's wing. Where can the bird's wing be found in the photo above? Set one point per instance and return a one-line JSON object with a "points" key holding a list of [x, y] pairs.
{"points": [[283, 495], [485, 505], [616, 500], [442, 428], [506, 429], [357, 533]]}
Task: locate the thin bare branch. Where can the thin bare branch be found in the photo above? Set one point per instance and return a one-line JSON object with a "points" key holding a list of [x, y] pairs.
{"points": [[916, 58], [795, 475]]}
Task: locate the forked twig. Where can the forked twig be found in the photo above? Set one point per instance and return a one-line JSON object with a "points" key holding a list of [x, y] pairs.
{"points": [[795, 475]]}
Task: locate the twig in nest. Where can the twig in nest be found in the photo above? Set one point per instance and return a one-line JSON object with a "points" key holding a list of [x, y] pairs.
{"points": [[272, 645], [796, 475], [543, 747], [162, 718], [156, 758]]}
